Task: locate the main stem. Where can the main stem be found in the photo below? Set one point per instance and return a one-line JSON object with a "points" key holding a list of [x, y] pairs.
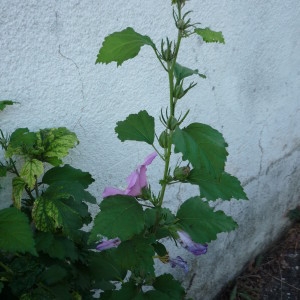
{"points": [[171, 66]]}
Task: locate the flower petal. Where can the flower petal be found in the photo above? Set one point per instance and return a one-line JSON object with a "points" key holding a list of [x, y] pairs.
{"points": [[111, 191], [136, 181], [112, 243], [149, 159], [187, 243], [178, 261]]}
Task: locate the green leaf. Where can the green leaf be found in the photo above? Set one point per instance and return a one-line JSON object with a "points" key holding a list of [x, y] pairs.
{"points": [[54, 213], [153, 295], [182, 72], [226, 187], [26, 270], [18, 186], [103, 266], [57, 142], [21, 142], [120, 216], [53, 274], [15, 232], [70, 181], [136, 255], [160, 249], [56, 246], [1, 286], [31, 170], [3, 171], [167, 221], [210, 36], [203, 146], [169, 286], [121, 46], [69, 174], [137, 127], [128, 291], [201, 222], [4, 103]]}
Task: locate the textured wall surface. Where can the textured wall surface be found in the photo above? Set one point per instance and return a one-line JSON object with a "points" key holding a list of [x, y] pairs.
{"points": [[251, 94]]}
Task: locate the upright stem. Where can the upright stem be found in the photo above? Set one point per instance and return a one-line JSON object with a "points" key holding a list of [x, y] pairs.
{"points": [[168, 151]]}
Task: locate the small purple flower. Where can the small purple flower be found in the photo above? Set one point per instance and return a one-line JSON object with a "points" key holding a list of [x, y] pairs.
{"points": [[136, 181], [178, 261], [112, 243], [187, 243]]}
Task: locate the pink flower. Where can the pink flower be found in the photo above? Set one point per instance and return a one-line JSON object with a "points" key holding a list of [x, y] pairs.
{"points": [[187, 243], [113, 243], [136, 181]]}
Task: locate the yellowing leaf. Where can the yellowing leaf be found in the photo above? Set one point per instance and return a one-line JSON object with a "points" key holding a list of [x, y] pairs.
{"points": [[31, 170], [18, 186]]}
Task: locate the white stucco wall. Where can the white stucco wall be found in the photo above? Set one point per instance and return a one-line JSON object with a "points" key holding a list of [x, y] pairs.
{"points": [[251, 94]]}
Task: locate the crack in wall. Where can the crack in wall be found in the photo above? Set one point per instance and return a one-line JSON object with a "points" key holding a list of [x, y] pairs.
{"points": [[80, 79], [271, 165]]}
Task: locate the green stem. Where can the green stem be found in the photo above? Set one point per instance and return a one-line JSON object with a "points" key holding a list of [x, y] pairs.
{"points": [[171, 67], [6, 268], [160, 155]]}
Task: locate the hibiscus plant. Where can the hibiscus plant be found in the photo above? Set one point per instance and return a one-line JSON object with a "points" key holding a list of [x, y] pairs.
{"points": [[133, 223], [44, 251]]}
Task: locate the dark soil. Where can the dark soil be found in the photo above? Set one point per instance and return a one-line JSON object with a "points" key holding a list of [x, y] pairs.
{"points": [[274, 275]]}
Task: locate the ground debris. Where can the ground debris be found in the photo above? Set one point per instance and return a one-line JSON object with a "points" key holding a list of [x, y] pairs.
{"points": [[274, 275]]}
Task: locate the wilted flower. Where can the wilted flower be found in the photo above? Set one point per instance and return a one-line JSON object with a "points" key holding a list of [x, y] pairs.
{"points": [[112, 243], [178, 261], [187, 243], [136, 181]]}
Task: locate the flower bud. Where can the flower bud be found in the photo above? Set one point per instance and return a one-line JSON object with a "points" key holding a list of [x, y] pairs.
{"points": [[181, 173], [164, 139], [178, 92], [172, 123], [180, 24]]}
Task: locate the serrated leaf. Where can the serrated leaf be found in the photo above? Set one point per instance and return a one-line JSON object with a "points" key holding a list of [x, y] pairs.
{"points": [[169, 286], [56, 246], [181, 72], [203, 146], [57, 213], [21, 142], [137, 127], [4, 103], [57, 142], [69, 174], [210, 36], [128, 291], [31, 170], [152, 295], [201, 222], [121, 46], [103, 266], [53, 274], [136, 255], [70, 181], [15, 232], [120, 216], [18, 186], [226, 187]]}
